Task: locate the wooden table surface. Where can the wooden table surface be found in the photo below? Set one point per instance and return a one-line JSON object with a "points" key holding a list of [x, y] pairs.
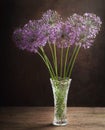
{"points": [[40, 118]]}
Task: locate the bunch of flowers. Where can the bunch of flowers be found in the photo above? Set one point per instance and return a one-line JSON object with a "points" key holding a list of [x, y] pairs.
{"points": [[51, 30]]}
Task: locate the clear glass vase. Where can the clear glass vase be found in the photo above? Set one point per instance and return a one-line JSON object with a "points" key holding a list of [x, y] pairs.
{"points": [[60, 88]]}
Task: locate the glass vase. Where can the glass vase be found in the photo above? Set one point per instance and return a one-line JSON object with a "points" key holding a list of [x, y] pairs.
{"points": [[60, 88]]}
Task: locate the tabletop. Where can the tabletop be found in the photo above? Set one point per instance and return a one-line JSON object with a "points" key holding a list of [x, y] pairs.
{"points": [[40, 118]]}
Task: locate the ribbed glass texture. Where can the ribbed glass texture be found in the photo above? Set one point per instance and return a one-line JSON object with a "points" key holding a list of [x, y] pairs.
{"points": [[60, 90]]}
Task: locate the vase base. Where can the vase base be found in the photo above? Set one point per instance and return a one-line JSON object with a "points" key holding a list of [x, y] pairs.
{"points": [[60, 123]]}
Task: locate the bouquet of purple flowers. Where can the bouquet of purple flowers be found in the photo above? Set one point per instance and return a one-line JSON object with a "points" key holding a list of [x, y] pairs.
{"points": [[51, 30]]}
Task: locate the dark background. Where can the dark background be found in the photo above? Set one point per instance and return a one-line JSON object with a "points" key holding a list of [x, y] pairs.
{"points": [[24, 77]]}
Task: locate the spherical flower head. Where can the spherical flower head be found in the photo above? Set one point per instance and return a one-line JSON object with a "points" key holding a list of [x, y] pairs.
{"points": [[52, 20], [31, 36], [76, 19], [18, 38], [66, 36], [77, 26], [92, 24], [51, 17], [86, 28]]}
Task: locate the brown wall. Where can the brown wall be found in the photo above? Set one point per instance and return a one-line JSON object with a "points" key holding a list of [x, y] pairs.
{"points": [[25, 79]]}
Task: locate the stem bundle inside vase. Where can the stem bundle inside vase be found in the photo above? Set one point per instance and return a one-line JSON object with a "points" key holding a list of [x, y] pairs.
{"points": [[60, 89]]}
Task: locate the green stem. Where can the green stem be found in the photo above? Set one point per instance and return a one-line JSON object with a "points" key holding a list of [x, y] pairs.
{"points": [[55, 61], [47, 61], [45, 64], [74, 59], [61, 62], [70, 62], [53, 58], [52, 53], [67, 50]]}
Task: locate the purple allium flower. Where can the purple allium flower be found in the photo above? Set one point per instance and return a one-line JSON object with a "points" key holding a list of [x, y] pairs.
{"points": [[51, 17], [31, 36], [52, 20], [85, 27], [53, 32], [66, 36]]}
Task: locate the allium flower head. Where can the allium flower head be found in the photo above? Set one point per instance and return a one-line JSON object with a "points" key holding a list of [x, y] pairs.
{"points": [[53, 32], [53, 21], [31, 36], [85, 27], [51, 17], [92, 27], [66, 36]]}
